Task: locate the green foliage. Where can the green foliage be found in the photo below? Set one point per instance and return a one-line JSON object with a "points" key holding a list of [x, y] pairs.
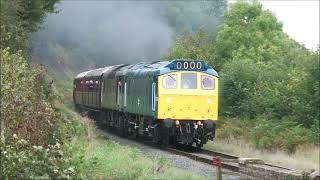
{"points": [[199, 45], [19, 18], [249, 29], [23, 93], [30, 144], [267, 134], [263, 73], [286, 135], [93, 156], [238, 84], [20, 160], [314, 134], [104, 159], [96, 163]]}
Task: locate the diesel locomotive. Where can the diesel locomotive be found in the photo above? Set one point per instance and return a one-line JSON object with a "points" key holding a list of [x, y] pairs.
{"points": [[166, 101]]}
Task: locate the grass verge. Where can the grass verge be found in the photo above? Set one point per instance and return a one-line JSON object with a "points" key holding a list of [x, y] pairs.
{"points": [[306, 157], [93, 156]]}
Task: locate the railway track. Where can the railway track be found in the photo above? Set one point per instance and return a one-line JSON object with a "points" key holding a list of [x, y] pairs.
{"points": [[228, 161], [247, 170], [233, 163]]}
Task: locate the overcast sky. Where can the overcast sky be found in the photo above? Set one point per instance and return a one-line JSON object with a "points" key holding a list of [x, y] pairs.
{"points": [[300, 19]]}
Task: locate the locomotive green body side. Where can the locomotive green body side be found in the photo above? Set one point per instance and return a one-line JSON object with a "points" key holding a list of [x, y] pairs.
{"points": [[128, 90], [138, 100], [109, 88]]}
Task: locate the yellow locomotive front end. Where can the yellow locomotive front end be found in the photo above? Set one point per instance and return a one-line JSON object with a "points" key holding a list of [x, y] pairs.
{"points": [[187, 102], [188, 95]]}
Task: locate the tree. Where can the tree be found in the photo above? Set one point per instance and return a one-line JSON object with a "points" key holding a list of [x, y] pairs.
{"points": [[264, 72], [189, 16], [251, 30], [19, 18], [199, 46]]}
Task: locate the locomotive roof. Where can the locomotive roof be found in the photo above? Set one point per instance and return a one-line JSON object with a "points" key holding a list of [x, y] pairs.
{"points": [[145, 68], [162, 67]]}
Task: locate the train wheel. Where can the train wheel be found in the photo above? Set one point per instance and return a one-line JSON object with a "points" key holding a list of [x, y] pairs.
{"points": [[174, 140], [156, 136], [77, 108], [166, 127], [122, 125], [99, 119], [199, 144], [125, 128], [165, 141]]}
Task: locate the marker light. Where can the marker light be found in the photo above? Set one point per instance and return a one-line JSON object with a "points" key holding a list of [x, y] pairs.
{"points": [[205, 67], [177, 124]]}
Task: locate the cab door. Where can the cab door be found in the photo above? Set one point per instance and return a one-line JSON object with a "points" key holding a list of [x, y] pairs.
{"points": [[154, 98], [119, 89], [122, 92]]}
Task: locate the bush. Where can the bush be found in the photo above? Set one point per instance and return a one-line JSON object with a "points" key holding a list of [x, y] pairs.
{"points": [[197, 46], [269, 84], [314, 134], [30, 145], [267, 134], [265, 73]]}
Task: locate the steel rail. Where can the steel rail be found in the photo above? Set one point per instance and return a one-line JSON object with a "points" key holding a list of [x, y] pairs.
{"points": [[229, 162], [220, 154], [199, 158]]}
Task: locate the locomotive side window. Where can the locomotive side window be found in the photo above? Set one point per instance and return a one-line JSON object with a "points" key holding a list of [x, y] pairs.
{"points": [[207, 82], [170, 81], [189, 81]]}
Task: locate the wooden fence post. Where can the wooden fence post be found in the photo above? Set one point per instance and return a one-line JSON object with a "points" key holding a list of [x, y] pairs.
{"points": [[216, 162]]}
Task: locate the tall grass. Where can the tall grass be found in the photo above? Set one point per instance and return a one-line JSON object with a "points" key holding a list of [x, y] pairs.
{"points": [[305, 157]]}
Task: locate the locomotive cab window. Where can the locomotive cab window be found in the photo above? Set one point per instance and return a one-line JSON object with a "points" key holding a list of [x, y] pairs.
{"points": [[170, 81], [189, 81], [207, 83]]}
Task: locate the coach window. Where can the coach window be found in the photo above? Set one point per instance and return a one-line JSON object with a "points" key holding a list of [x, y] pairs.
{"points": [[207, 82], [170, 81], [91, 85], [87, 86], [189, 81]]}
